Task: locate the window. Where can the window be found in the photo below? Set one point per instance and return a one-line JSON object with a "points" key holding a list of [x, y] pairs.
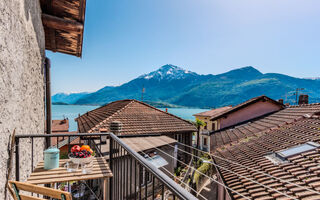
{"points": [[297, 150], [178, 137], [205, 141], [205, 127], [157, 161], [281, 156], [213, 126]]}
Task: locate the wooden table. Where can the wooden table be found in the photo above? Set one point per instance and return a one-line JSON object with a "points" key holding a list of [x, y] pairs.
{"points": [[100, 170]]}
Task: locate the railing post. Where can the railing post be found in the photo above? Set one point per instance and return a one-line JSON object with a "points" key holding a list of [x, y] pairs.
{"points": [[48, 101], [111, 167], [17, 159]]}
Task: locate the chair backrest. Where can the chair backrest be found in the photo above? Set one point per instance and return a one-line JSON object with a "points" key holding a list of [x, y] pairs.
{"points": [[15, 187]]}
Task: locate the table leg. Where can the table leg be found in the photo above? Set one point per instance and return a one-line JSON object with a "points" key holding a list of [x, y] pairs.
{"points": [[105, 189]]}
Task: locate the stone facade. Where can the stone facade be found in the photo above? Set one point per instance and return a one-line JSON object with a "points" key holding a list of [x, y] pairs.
{"points": [[22, 52]]}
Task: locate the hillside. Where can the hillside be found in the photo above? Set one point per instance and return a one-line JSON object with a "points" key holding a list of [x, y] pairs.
{"points": [[61, 98], [174, 85]]}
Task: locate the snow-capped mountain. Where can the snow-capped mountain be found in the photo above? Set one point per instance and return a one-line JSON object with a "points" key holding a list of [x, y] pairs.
{"points": [[168, 72], [174, 85]]}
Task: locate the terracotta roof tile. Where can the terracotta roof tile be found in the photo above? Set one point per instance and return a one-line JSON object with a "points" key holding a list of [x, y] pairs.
{"points": [[214, 112], [60, 125], [245, 104], [302, 169], [268, 122], [136, 118]]}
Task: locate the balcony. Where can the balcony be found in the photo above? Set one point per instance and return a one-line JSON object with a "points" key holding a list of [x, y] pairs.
{"points": [[134, 177]]}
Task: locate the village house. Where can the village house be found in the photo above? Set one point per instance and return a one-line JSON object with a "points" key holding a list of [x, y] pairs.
{"points": [[137, 118], [251, 128], [60, 127], [277, 159], [223, 117]]}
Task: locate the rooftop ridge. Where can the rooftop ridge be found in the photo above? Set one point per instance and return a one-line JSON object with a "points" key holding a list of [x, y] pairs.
{"points": [[117, 112], [129, 111], [263, 124], [263, 132], [101, 107], [246, 103], [163, 111], [303, 105]]}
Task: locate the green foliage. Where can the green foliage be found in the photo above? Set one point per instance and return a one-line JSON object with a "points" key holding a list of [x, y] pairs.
{"points": [[199, 123], [64, 156], [204, 168], [177, 171]]}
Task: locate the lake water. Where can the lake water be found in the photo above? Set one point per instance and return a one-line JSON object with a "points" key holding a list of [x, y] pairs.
{"points": [[72, 111]]}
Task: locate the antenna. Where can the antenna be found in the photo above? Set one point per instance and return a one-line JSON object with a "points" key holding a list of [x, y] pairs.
{"points": [[143, 90], [297, 93]]}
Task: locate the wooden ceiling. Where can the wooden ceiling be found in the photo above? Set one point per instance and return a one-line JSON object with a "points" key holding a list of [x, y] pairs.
{"points": [[63, 22]]}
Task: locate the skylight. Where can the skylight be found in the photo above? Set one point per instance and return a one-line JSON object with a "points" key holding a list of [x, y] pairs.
{"points": [[157, 161], [281, 156], [297, 150]]}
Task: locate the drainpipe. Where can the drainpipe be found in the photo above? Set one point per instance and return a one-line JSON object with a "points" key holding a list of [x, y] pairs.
{"points": [[48, 101]]}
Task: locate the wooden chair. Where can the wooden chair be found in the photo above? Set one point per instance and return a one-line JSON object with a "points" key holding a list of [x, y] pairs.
{"points": [[15, 187]]}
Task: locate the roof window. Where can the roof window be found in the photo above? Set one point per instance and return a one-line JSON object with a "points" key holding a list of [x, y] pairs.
{"points": [[297, 150], [156, 160], [281, 156]]}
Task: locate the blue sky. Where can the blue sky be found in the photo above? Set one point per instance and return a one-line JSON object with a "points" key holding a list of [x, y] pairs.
{"points": [[126, 38]]}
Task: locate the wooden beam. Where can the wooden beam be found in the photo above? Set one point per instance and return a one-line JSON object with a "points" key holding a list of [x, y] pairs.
{"points": [[52, 33], [61, 24]]}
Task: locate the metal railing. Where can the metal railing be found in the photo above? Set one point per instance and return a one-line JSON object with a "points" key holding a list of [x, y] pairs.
{"points": [[133, 176], [62, 140]]}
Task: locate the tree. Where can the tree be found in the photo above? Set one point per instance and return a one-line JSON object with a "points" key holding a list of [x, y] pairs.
{"points": [[198, 124]]}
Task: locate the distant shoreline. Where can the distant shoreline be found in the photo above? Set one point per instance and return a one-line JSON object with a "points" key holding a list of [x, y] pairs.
{"points": [[154, 104]]}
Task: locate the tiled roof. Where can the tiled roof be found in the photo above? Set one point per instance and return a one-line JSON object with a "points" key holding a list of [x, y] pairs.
{"points": [[245, 104], [136, 118], [302, 169], [64, 140], [61, 125], [214, 112], [141, 143], [252, 127]]}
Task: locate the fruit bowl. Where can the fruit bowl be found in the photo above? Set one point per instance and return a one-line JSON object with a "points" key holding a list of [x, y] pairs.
{"points": [[81, 155]]}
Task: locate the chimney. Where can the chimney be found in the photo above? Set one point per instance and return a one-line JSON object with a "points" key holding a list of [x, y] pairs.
{"points": [[115, 127], [303, 99], [280, 101]]}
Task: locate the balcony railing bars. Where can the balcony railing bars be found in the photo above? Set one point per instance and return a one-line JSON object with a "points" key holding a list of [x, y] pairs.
{"points": [[128, 167], [62, 140]]}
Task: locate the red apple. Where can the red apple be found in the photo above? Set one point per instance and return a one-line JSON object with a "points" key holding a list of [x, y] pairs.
{"points": [[75, 148]]}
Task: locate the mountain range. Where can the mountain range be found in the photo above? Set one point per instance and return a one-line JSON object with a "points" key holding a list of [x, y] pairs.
{"points": [[172, 85]]}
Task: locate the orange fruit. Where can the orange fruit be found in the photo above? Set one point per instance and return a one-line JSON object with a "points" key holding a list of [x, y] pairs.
{"points": [[85, 147]]}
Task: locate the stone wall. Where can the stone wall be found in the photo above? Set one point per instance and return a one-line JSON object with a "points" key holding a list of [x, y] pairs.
{"points": [[21, 81]]}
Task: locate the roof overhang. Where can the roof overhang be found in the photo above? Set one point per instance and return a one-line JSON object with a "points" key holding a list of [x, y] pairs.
{"points": [[63, 22], [246, 104]]}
